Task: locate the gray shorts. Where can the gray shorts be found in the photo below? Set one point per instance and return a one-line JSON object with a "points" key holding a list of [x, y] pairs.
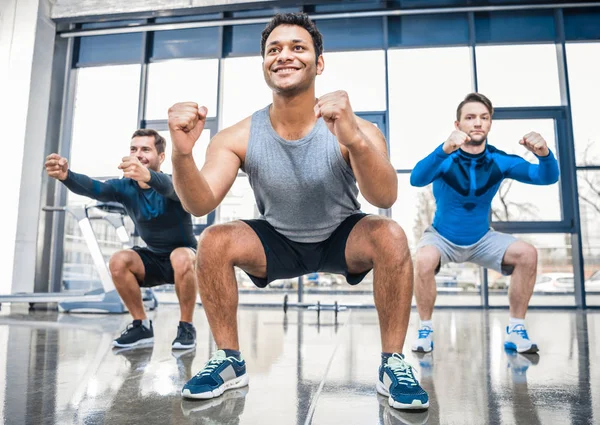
{"points": [[486, 252]]}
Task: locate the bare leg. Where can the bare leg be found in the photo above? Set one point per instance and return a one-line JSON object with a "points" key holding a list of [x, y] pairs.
{"points": [[220, 248], [428, 258], [380, 243], [182, 260], [523, 257], [127, 269]]}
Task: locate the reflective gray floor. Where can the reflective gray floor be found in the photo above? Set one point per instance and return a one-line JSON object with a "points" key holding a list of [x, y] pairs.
{"points": [[60, 369]]}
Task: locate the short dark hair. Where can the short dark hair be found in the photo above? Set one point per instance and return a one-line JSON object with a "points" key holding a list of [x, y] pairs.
{"points": [[159, 142], [475, 97], [299, 19]]}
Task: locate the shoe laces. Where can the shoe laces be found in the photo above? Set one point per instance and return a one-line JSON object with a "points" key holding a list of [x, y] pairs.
{"points": [[184, 331], [401, 369], [424, 332], [211, 365], [130, 327], [521, 331]]}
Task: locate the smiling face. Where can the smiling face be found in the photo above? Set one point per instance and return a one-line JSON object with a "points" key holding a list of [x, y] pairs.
{"points": [[476, 121], [289, 64], [144, 149]]}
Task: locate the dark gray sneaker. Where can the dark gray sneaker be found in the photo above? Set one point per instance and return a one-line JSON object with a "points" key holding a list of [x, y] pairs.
{"points": [[135, 334], [186, 337]]}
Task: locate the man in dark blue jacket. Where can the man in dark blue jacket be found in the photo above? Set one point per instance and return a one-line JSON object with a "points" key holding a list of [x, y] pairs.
{"points": [[150, 200], [466, 173]]}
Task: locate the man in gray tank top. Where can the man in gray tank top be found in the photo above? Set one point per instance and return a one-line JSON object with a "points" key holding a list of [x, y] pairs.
{"points": [[304, 157]]}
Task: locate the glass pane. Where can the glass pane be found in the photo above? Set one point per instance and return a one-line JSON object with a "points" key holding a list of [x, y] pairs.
{"points": [[584, 84], [418, 123], [457, 284], [361, 74], [169, 83], [517, 201], [199, 150], [507, 75], [105, 117], [186, 43], [554, 280], [589, 210], [114, 48], [243, 76]]}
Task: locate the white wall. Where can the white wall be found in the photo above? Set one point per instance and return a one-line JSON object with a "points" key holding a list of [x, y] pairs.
{"points": [[26, 48]]}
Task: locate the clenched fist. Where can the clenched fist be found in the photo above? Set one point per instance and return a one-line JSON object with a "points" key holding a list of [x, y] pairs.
{"points": [[134, 169], [186, 122], [337, 113], [535, 143], [57, 166], [456, 139]]}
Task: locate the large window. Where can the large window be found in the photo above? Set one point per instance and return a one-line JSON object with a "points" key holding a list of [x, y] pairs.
{"points": [[361, 74], [105, 117], [584, 83], [244, 89], [425, 87], [181, 81], [517, 201], [589, 209], [524, 75]]}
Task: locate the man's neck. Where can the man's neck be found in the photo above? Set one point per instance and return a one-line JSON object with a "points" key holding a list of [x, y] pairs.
{"points": [[293, 117]]}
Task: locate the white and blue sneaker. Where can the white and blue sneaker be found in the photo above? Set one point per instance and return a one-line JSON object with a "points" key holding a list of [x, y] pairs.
{"points": [[424, 344], [517, 340], [220, 373], [398, 383]]}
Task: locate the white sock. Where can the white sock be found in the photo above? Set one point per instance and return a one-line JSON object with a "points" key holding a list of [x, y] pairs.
{"points": [[146, 323], [427, 323], [512, 322]]}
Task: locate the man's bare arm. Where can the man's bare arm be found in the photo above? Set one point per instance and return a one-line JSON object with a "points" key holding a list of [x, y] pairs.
{"points": [[370, 162], [201, 191]]}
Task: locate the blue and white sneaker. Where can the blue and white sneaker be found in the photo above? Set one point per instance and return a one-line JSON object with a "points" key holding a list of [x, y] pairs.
{"points": [[424, 344], [220, 373], [517, 340], [397, 381]]}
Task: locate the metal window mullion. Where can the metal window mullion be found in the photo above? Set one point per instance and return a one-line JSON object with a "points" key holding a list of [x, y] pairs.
{"points": [[569, 158], [147, 42], [60, 195]]}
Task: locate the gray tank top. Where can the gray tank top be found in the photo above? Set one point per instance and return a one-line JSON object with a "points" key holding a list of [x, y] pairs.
{"points": [[303, 188]]}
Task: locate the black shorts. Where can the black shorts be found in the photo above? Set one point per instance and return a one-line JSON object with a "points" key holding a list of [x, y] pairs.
{"points": [[158, 268], [287, 259]]}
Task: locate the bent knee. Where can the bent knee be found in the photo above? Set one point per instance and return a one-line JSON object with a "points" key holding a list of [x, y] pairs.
{"points": [[119, 262], [526, 256], [427, 261], [182, 260]]}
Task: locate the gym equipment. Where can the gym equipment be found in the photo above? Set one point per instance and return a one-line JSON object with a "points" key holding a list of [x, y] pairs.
{"points": [[318, 307], [100, 300]]}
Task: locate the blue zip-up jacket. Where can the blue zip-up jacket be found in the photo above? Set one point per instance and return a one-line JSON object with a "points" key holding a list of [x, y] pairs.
{"points": [[465, 184], [156, 212]]}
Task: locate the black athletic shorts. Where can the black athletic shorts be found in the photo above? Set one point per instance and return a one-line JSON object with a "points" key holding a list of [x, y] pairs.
{"points": [[158, 267], [287, 259]]}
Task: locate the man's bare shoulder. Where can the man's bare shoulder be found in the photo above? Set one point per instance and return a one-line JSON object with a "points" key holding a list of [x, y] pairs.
{"points": [[234, 138]]}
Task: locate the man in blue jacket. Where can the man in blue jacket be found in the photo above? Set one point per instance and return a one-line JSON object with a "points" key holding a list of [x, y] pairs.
{"points": [[150, 200], [466, 173]]}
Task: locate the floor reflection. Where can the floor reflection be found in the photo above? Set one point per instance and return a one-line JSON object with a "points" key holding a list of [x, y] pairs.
{"points": [[62, 369]]}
